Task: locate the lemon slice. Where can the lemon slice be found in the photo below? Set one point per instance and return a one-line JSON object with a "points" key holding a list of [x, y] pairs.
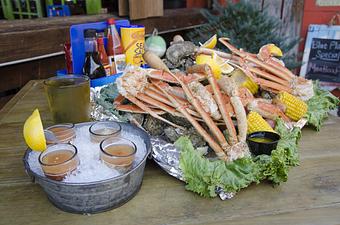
{"points": [[34, 132], [211, 43], [275, 51], [225, 67], [207, 59]]}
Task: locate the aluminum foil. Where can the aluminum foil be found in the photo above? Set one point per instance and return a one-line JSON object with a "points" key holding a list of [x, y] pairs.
{"points": [[165, 154]]}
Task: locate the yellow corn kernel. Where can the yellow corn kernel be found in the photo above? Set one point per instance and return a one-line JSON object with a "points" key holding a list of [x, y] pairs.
{"points": [[242, 80], [295, 107], [251, 85], [257, 123]]}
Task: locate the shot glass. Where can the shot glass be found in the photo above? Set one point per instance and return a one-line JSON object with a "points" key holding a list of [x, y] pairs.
{"points": [[59, 160], [118, 153], [104, 129], [68, 98], [65, 132]]}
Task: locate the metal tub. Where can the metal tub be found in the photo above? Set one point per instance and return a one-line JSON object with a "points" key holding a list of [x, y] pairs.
{"points": [[99, 196]]}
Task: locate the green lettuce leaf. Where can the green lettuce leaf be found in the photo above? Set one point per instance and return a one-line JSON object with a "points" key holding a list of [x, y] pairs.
{"points": [[203, 176], [276, 166], [319, 106]]}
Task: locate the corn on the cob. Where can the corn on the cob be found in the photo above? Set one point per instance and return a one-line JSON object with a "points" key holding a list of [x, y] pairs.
{"points": [[244, 81], [295, 107], [257, 123], [251, 85]]}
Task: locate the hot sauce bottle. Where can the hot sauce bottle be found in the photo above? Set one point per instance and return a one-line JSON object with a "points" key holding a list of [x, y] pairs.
{"points": [[103, 56]]}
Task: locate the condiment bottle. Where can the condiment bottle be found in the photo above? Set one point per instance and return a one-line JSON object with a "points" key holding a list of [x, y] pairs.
{"points": [[92, 66], [114, 43], [103, 56]]}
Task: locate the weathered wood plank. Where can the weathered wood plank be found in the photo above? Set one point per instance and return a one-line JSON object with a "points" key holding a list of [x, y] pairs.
{"points": [[273, 8], [162, 199], [44, 36], [311, 195], [16, 76], [318, 216]]}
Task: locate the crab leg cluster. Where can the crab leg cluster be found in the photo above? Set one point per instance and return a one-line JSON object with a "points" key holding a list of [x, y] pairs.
{"points": [[185, 96], [264, 69]]}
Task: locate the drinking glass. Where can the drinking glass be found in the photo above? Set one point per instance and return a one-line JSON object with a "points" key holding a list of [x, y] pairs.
{"points": [[118, 153], [59, 160], [69, 98], [104, 129]]}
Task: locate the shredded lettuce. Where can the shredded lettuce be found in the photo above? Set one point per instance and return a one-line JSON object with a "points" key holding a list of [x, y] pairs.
{"points": [[204, 176], [319, 106]]}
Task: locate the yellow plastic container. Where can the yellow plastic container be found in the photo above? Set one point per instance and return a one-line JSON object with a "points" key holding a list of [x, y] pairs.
{"points": [[133, 38]]}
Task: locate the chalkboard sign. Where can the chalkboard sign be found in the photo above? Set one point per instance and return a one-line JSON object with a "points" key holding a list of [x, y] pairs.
{"points": [[324, 60], [321, 59]]}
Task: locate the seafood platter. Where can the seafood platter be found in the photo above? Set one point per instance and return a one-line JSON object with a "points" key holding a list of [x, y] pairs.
{"points": [[219, 121]]}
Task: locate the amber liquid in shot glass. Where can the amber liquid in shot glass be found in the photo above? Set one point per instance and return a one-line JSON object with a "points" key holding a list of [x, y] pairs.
{"points": [[59, 160], [65, 133], [104, 129], [118, 153]]}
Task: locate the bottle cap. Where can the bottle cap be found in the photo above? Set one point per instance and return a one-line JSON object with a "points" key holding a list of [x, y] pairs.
{"points": [[100, 40], [90, 33], [111, 21]]}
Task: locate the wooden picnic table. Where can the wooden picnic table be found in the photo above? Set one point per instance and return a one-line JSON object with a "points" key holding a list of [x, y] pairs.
{"points": [[311, 195]]}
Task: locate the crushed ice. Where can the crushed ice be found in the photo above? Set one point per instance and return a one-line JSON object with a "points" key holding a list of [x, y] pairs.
{"points": [[91, 168]]}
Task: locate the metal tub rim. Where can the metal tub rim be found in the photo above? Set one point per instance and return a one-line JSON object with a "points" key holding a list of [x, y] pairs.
{"points": [[33, 175], [105, 186]]}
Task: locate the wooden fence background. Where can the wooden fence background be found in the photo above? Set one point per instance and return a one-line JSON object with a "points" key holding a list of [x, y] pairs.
{"points": [[290, 12]]}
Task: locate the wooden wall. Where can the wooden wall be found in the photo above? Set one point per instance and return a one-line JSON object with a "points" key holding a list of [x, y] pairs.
{"points": [[290, 12], [314, 14], [21, 39]]}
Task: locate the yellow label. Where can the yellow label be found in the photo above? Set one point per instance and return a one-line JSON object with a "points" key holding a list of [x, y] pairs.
{"points": [[133, 43]]}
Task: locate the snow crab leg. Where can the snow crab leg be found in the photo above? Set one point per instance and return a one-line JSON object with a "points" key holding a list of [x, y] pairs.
{"points": [[205, 69], [204, 115], [181, 108]]}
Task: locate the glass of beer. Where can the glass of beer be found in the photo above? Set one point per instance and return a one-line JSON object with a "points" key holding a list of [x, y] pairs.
{"points": [[69, 98], [59, 160]]}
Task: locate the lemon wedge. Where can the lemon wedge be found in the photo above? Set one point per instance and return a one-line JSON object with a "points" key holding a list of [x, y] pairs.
{"points": [[207, 59], [34, 132], [211, 43], [225, 67], [273, 50]]}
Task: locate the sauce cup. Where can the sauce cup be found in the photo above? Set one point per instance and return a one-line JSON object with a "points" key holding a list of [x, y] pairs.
{"points": [[262, 142]]}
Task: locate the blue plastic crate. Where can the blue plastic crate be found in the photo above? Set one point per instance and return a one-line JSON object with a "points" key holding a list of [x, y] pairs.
{"points": [[58, 10], [77, 41]]}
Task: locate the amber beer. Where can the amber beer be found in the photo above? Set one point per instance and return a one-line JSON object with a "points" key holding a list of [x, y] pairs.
{"points": [[133, 38], [69, 98]]}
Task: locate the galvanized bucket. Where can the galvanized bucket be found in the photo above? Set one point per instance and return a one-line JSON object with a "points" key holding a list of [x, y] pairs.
{"points": [[94, 197]]}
